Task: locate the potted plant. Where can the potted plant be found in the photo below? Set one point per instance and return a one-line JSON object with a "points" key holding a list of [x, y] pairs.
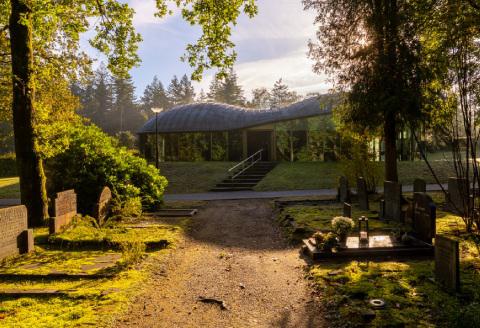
{"points": [[342, 226], [325, 242]]}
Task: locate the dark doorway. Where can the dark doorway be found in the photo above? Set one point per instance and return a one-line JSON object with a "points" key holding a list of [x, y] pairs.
{"points": [[257, 140]]}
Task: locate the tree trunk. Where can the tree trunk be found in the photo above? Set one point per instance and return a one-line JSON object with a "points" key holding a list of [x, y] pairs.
{"points": [[29, 163], [390, 137]]}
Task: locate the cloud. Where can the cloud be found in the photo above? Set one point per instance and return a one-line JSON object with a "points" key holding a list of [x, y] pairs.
{"points": [[145, 13], [294, 68]]}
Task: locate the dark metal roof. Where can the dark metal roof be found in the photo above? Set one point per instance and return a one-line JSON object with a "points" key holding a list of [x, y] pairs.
{"points": [[204, 117]]}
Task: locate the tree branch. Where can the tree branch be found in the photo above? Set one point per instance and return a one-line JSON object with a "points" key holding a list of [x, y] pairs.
{"points": [[474, 4]]}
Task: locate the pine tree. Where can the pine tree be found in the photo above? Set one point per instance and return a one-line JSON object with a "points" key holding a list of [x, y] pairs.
{"points": [[154, 96], [260, 99], [227, 90], [125, 115], [281, 96]]}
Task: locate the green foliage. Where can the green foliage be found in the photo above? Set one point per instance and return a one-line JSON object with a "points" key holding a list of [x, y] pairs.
{"points": [[357, 160], [94, 160], [227, 90], [127, 139], [342, 226], [130, 207], [8, 166]]}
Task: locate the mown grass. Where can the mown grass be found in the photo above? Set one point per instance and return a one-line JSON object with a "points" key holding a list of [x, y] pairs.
{"points": [[86, 302], [193, 177], [320, 175], [9, 188]]}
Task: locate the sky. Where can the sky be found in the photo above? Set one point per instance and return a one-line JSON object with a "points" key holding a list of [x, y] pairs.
{"points": [[270, 46]]}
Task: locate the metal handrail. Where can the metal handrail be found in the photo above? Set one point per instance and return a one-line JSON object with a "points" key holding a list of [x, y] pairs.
{"points": [[249, 160]]}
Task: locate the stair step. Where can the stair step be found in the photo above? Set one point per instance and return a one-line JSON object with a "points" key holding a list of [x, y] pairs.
{"points": [[231, 189], [236, 184], [237, 180]]}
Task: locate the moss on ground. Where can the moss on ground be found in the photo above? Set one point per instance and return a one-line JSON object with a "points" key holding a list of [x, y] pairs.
{"points": [[412, 298], [84, 302]]}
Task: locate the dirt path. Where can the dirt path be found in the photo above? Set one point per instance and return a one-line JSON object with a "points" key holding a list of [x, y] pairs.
{"points": [[235, 253]]}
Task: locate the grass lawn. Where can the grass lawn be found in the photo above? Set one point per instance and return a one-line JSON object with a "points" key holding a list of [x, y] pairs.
{"points": [[319, 175], [193, 177], [9, 188]]}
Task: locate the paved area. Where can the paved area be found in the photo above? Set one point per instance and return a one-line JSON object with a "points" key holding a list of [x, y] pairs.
{"points": [[6, 202], [230, 195]]}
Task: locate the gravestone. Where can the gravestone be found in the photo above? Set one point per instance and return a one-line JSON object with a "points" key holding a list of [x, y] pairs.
{"points": [[447, 263], [343, 190], [457, 194], [419, 185], [362, 194], [347, 210], [65, 208], [393, 201], [15, 237], [103, 205], [424, 217]]}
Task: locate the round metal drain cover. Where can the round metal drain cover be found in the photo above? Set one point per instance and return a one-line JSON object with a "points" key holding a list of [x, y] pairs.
{"points": [[377, 303]]}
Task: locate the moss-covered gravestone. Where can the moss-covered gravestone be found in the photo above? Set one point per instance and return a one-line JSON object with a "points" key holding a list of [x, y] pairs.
{"points": [[362, 194], [65, 208], [424, 217], [447, 263], [343, 190], [392, 201], [347, 210], [103, 206], [15, 237]]}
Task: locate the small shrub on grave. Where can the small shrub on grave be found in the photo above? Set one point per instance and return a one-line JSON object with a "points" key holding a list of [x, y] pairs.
{"points": [[325, 242], [94, 160], [342, 226]]}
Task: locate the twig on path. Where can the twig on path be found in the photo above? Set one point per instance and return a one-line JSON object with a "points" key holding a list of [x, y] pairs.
{"points": [[220, 303]]}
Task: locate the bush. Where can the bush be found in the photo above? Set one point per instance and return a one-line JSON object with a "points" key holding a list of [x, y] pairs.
{"points": [[8, 165], [342, 226], [94, 160]]}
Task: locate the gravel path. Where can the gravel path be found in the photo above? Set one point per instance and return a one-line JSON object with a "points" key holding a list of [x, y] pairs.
{"points": [[233, 253]]}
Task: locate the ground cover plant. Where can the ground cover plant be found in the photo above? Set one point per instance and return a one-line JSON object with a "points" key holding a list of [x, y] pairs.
{"points": [[96, 282]]}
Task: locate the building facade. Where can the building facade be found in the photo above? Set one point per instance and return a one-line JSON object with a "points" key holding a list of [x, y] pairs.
{"points": [[219, 132]]}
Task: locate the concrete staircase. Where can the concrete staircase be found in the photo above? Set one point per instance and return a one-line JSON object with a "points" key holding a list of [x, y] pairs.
{"points": [[247, 179]]}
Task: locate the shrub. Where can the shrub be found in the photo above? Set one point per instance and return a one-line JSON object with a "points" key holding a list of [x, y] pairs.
{"points": [[131, 207], [94, 160], [342, 225], [325, 242], [8, 165]]}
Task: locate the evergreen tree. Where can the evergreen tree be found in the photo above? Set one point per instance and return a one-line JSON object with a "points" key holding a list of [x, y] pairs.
{"points": [[202, 96], [281, 96], [154, 96], [125, 115], [260, 98], [227, 90], [181, 92]]}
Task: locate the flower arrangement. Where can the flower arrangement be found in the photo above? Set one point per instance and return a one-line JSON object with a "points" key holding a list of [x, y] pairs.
{"points": [[325, 242]]}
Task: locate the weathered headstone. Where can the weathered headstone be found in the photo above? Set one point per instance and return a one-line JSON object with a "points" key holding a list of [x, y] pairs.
{"points": [[424, 217], [343, 190], [347, 210], [65, 208], [362, 194], [15, 237], [393, 200], [103, 205], [419, 185], [381, 209], [447, 263], [458, 194]]}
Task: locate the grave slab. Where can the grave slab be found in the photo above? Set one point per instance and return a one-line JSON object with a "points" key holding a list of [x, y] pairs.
{"points": [[15, 237], [103, 205], [393, 201], [343, 190], [424, 217], [419, 185]]}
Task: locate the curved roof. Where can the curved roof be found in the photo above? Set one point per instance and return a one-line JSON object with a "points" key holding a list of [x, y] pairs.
{"points": [[206, 117]]}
